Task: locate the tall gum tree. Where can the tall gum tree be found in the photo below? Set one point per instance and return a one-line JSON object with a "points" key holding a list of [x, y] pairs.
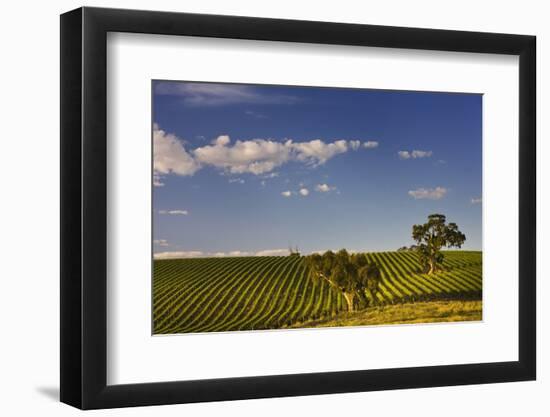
{"points": [[431, 237], [351, 274]]}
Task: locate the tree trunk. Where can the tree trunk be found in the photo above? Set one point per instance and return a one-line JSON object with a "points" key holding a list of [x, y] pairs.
{"points": [[432, 259], [433, 266], [350, 297]]}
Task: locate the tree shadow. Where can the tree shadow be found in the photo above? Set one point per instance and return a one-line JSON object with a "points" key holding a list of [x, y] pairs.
{"points": [[50, 392]]}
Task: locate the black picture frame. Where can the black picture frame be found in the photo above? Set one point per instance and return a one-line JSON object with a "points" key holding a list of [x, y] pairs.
{"points": [[84, 207]]}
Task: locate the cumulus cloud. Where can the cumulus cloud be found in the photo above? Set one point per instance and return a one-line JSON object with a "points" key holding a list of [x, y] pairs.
{"points": [[273, 252], [428, 193], [416, 154], [324, 188], [317, 152], [157, 180], [236, 180], [255, 156], [421, 154], [254, 114], [174, 212], [304, 191], [212, 94], [235, 253], [475, 200], [370, 144], [221, 140], [261, 156], [170, 156], [179, 254]]}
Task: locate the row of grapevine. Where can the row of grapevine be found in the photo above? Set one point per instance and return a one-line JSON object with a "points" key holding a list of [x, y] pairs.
{"points": [[251, 293]]}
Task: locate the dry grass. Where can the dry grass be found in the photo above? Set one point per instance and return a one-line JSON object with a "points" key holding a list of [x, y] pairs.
{"points": [[424, 312]]}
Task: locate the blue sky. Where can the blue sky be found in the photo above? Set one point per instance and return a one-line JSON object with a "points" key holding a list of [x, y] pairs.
{"points": [[251, 169]]}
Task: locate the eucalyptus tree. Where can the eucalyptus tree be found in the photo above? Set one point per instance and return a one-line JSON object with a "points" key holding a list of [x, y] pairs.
{"points": [[433, 236], [351, 274]]}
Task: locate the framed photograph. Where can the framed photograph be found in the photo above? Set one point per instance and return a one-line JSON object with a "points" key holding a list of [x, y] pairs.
{"points": [[256, 208]]}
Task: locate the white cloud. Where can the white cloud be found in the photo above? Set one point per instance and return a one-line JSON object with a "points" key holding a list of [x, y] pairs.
{"points": [[428, 193], [236, 180], [174, 212], [416, 154], [235, 253], [178, 212], [170, 156], [255, 114], [222, 140], [211, 94], [157, 180], [286, 193], [370, 144], [304, 192], [255, 156], [317, 152], [421, 154], [273, 252], [324, 188], [476, 200], [179, 254], [161, 242], [261, 156]]}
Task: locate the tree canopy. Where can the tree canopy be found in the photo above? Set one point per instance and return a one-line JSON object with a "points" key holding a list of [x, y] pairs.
{"points": [[351, 274], [431, 237]]}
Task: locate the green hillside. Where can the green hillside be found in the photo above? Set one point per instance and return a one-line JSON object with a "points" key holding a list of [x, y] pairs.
{"points": [[251, 293]]}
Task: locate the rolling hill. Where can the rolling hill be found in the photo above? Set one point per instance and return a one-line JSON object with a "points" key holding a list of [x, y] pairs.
{"points": [[253, 293]]}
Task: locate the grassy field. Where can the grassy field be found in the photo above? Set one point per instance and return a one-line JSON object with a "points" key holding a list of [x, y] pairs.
{"points": [[252, 293], [422, 312]]}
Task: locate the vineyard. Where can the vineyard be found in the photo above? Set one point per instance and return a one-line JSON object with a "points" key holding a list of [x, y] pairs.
{"points": [[253, 293]]}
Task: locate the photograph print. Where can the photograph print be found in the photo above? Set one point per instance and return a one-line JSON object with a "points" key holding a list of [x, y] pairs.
{"points": [[287, 207]]}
